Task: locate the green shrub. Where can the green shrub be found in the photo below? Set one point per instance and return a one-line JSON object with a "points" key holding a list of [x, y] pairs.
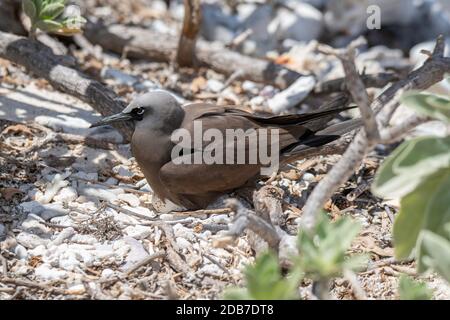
{"points": [[323, 256], [409, 289], [418, 172], [52, 16]]}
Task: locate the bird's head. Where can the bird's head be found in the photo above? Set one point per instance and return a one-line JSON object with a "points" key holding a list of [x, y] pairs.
{"points": [[154, 107]]}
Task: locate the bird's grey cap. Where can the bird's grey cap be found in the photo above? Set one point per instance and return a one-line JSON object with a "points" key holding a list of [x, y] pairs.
{"points": [[157, 99], [152, 98]]}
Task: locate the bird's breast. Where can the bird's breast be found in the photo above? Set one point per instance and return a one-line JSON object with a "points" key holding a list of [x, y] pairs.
{"points": [[152, 151]]}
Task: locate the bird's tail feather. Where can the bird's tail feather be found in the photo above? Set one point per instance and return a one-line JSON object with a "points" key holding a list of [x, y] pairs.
{"points": [[324, 137]]}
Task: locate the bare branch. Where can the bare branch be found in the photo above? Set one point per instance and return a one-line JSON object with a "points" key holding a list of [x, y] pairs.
{"points": [[378, 80], [359, 94], [145, 261], [356, 86], [246, 218], [191, 26], [396, 133], [430, 73]]}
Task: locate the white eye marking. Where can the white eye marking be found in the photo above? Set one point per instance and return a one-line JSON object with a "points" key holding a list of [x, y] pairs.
{"points": [[140, 111]]}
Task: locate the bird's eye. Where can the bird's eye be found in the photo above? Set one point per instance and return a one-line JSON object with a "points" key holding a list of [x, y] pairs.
{"points": [[140, 111]]}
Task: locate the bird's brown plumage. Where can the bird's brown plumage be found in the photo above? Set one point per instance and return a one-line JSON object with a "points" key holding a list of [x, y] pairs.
{"points": [[195, 186]]}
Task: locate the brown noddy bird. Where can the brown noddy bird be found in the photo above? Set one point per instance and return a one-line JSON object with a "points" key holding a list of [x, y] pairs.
{"points": [[158, 115]]}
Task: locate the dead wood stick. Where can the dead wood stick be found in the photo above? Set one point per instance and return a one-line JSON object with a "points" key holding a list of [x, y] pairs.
{"points": [[247, 219], [4, 265], [130, 190], [145, 261], [95, 293], [7, 290], [359, 190], [32, 284], [432, 71], [391, 135], [379, 80], [146, 44], [267, 202], [240, 38], [131, 213], [188, 38], [40, 60], [173, 251], [356, 87], [203, 212], [233, 77], [217, 263]]}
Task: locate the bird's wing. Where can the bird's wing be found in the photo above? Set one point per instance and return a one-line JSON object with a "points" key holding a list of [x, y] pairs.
{"points": [[226, 118], [190, 178], [183, 175]]}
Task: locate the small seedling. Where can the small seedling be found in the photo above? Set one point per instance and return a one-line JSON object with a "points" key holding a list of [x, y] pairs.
{"points": [[53, 16]]}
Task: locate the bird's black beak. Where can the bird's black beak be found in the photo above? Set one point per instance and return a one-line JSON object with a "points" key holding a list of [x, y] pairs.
{"points": [[112, 119]]}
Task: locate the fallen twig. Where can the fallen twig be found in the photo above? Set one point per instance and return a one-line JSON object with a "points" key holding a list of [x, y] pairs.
{"points": [[217, 263], [262, 223], [34, 285], [379, 80], [204, 212], [130, 190], [245, 218], [173, 251], [132, 213], [145, 261]]}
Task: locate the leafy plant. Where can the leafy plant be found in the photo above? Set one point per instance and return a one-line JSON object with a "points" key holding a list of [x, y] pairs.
{"points": [[322, 257], [418, 171], [265, 282], [409, 289], [435, 254], [53, 16], [323, 252]]}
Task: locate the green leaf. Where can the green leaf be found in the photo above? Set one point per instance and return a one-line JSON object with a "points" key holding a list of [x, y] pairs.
{"points": [[51, 11], [38, 6], [435, 254], [413, 290], [410, 164], [236, 294], [431, 105], [356, 262], [427, 207], [323, 251], [265, 282], [48, 25], [29, 8]]}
